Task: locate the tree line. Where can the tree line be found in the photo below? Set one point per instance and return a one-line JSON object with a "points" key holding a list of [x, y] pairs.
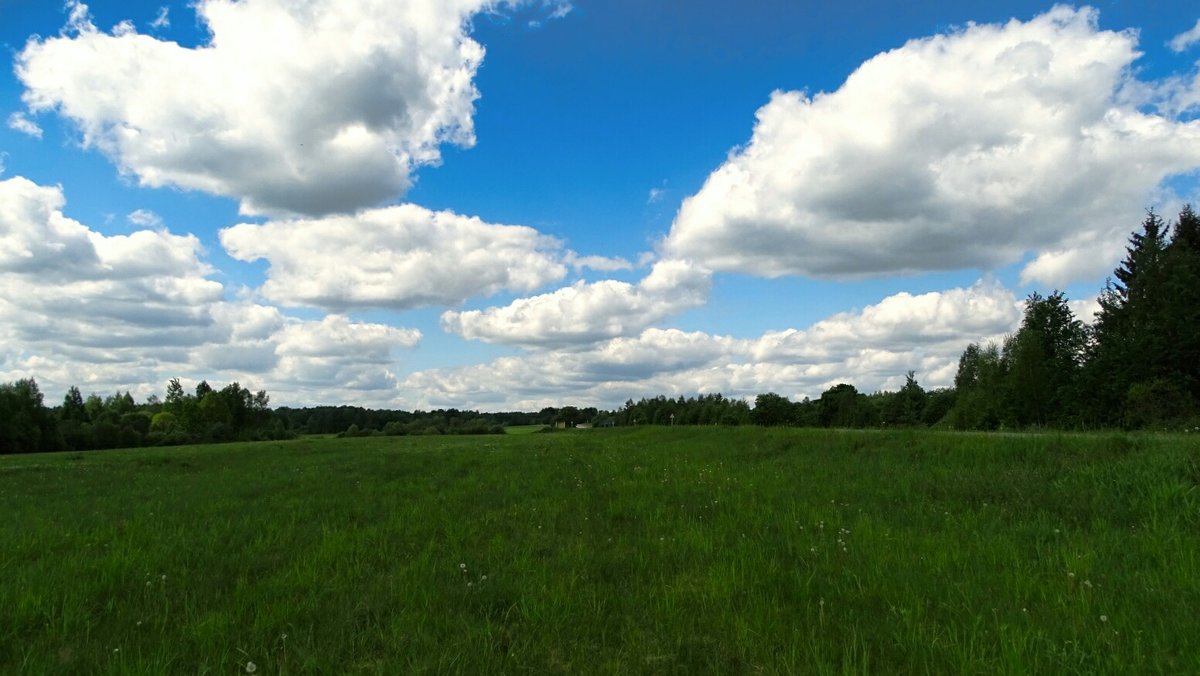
{"points": [[359, 421], [1136, 366], [206, 415]]}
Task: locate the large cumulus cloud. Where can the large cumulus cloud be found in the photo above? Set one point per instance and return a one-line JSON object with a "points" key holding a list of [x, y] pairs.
{"points": [[586, 313], [303, 107], [396, 257], [968, 149], [130, 311]]}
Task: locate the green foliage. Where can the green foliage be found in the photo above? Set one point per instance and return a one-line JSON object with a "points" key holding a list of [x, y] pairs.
{"points": [[1157, 403], [843, 406], [73, 407], [906, 408], [771, 410], [25, 424], [1044, 359], [1138, 365], [1147, 328], [117, 421], [706, 409], [979, 384]]}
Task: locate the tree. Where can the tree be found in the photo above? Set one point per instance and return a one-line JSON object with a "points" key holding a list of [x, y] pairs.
{"points": [[843, 406], [175, 395], [72, 406], [904, 408], [770, 410], [1181, 300], [25, 424], [568, 415], [1044, 359], [1126, 330], [979, 389]]}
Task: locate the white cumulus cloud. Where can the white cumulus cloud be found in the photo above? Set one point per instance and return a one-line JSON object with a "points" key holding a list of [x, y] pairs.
{"points": [[584, 312], [968, 149], [312, 108], [396, 257], [131, 311]]}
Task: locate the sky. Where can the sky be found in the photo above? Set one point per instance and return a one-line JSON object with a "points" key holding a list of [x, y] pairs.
{"points": [[508, 205]]}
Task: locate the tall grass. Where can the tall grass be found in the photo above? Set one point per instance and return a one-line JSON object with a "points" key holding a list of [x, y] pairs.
{"points": [[682, 550]]}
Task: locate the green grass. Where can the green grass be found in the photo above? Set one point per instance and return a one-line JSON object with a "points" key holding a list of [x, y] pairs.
{"points": [[524, 429], [664, 551]]}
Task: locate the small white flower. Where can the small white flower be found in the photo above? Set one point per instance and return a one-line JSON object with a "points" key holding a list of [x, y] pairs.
{"points": [[462, 566], [1104, 618], [251, 667]]}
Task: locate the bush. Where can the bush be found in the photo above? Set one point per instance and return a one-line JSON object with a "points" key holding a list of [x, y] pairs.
{"points": [[1158, 402]]}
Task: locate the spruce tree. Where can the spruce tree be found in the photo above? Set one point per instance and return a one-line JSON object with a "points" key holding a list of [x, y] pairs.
{"points": [[1181, 305], [1126, 346]]}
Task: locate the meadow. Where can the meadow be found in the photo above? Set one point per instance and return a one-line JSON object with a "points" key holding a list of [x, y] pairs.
{"points": [[654, 550]]}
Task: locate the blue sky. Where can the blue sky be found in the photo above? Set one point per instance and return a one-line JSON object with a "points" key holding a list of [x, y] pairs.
{"points": [[510, 205]]}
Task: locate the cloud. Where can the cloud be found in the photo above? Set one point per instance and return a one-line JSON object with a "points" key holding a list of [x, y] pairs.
{"points": [[131, 311], [19, 122], [585, 313], [598, 263], [96, 299], [1186, 39], [600, 375], [312, 108], [964, 150], [871, 348], [901, 321], [398, 257], [162, 19], [561, 10], [357, 357], [145, 218]]}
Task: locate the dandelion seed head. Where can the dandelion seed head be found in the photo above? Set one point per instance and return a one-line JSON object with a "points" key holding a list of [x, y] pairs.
{"points": [[251, 667]]}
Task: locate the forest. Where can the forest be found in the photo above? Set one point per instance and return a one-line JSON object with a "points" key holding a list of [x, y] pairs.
{"points": [[1136, 366]]}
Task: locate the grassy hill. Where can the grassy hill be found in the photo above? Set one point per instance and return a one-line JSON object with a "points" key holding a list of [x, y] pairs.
{"points": [[680, 550]]}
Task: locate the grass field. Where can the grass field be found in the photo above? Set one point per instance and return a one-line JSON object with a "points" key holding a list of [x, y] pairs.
{"points": [[524, 429], [682, 550]]}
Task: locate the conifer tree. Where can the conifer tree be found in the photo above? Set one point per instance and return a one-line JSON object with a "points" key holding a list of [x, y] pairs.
{"points": [[1128, 328]]}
